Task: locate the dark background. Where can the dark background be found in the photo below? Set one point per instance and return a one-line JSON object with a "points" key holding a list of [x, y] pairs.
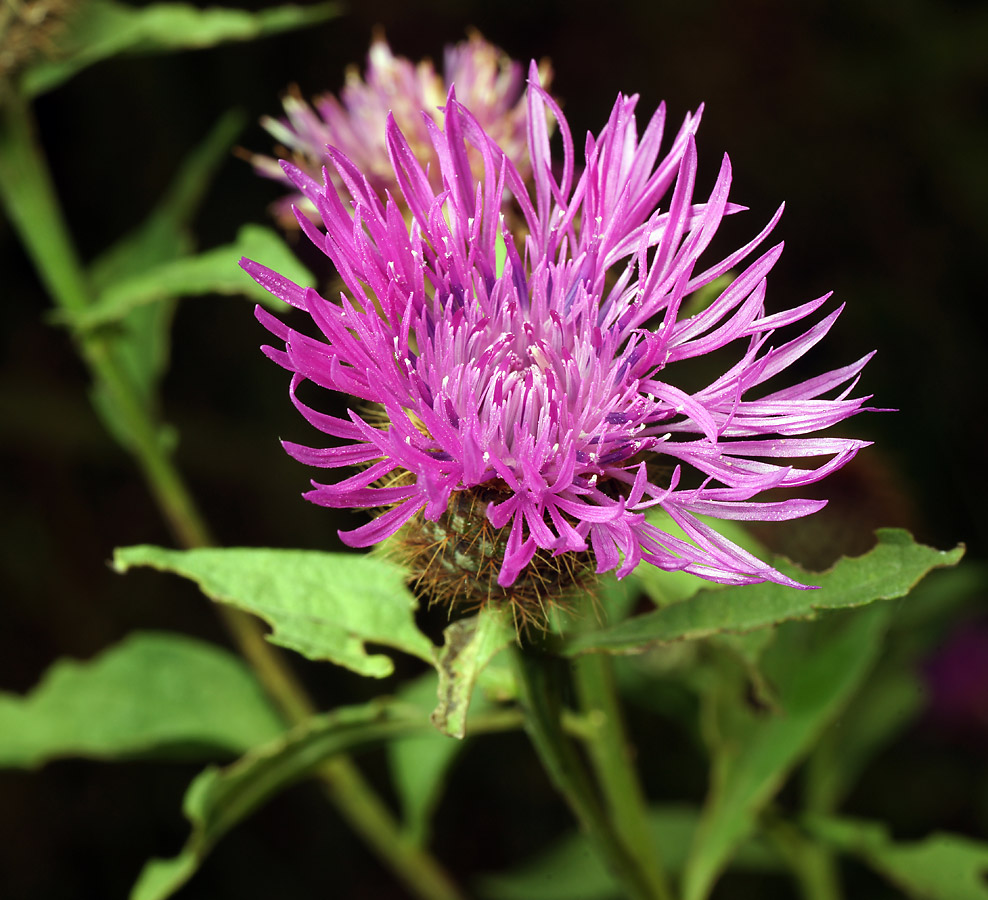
{"points": [[867, 118]]}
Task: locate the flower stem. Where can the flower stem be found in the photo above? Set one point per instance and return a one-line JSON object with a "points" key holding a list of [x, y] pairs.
{"points": [[539, 692], [613, 762], [28, 195]]}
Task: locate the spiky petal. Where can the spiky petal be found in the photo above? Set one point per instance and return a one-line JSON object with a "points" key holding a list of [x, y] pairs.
{"points": [[486, 79], [544, 375]]}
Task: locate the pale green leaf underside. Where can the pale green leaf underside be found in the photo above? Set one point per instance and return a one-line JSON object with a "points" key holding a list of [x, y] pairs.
{"points": [[939, 867], [151, 692], [100, 29], [326, 606], [889, 570]]}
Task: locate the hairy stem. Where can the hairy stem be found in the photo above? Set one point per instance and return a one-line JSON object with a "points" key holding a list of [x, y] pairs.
{"points": [[29, 198]]}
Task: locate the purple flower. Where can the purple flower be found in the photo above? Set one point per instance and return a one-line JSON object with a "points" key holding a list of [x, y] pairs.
{"points": [[531, 380], [487, 81]]}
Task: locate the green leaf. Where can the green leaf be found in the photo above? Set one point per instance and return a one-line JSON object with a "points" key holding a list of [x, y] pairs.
{"points": [[940, 867], [218, 799], [99, 29], [140, 340], [892, 698], [164, 234], [419, 763], [152, 692], [570, 870], [815, 670], [212, 272], [889, 570], [895, 693], [470, 645], [326, 606]]}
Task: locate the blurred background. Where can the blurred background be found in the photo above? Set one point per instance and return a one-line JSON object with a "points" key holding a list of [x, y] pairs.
{"points": [[870, 120]]}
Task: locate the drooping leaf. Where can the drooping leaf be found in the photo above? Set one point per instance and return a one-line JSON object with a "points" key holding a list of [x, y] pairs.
{"points": [[99, 29], [326, 606], [570, 870], [939, 867], [470, 645], [218, 799], [815, 671], [152, 692], [212, 272], [889, 570]]}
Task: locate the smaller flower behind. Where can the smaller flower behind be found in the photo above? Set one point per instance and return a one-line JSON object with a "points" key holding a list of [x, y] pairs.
{"points": [[527, 410], [487, 81]]}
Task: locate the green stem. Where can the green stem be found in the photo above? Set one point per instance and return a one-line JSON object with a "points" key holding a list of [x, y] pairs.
{"points": [[613, 762], [813, 867], [543, 710], [29, 198], [822, 869]]}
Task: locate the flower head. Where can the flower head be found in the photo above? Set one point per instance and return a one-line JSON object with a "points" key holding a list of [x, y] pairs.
{"points": [[488, 82], [529, 384]]}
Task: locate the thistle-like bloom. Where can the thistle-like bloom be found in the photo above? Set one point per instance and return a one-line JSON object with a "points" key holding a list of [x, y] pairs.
{"points": [[487, 81], [532, 386]]}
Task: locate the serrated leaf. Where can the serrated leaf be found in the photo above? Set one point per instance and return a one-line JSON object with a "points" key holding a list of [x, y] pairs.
{"points": [[152, 692], [889, 570], [815, 671], [100, 29], [211, 272], [326, 606], [569, 869], [470, 645], [218, 799], [939, 867]]}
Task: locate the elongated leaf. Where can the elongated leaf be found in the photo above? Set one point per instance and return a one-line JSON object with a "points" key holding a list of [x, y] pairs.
{"points": [[323, 605], [940, 867], [141, 337], [570, 870], [895, 694], [419, 763], [212, 272], [151, 692], [164, 234], [219, 799], [815, 674], [99, 29], [891, 700], [889, 570], [470, 645]]}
